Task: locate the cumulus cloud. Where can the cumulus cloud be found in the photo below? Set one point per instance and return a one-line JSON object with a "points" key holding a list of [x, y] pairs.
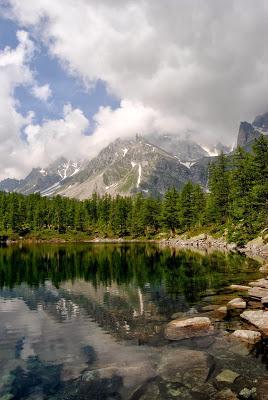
{"points": [[42, 92], [204, 62], [175, 65], [43, 142]]}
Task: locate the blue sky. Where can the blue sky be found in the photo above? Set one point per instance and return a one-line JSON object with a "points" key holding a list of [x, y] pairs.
{"points": [[65, 88]]}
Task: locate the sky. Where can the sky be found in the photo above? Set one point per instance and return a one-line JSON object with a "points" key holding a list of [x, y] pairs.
{"points": [[77, 74]]}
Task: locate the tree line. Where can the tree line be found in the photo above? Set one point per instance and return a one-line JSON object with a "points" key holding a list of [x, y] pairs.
{"points": [[234, 203]]}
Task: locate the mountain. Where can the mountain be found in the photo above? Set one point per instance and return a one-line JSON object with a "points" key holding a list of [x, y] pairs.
{"points": [[185, 150], [250, 131], [9, 185], [127, 167], [43, 180]]}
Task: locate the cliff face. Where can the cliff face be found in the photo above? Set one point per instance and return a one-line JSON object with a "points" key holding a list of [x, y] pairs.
{"points": [[246, 133]]}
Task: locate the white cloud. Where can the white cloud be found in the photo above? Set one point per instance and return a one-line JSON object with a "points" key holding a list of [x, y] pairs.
{"points": [[44, 142], [202, 62], [42, 92], [175, 65]]}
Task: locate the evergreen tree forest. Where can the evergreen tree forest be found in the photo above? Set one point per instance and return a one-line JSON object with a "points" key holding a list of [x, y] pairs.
{"points": [[234, 204]]}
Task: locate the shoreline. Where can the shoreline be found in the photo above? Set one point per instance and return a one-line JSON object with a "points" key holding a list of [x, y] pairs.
{"points": [[203, 242]]}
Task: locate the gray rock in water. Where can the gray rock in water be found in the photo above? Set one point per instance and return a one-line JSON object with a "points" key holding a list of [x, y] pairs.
{"points": [[264, 301], [190, 368], [262, 283], [237, 303], [227, 376], [247, 336], [188, 328], [258, 318], [257, 293]]}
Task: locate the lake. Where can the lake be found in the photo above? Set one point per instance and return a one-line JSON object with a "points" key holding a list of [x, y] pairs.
{"points": [[86, 321]]}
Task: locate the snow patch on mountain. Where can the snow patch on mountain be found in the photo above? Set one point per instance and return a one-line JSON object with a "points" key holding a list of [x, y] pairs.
{"points": [[125, 152], [211, 152], [139, 177]]}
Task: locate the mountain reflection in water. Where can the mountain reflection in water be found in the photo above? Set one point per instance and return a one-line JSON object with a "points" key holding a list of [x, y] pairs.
{"points": [[66, 309]]}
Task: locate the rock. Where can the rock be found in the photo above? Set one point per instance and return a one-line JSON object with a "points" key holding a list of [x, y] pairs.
{"points": [[150, 392], [132, 375], [262, 283], [178, 315], [237, 303], [188, 328], [221, 312], [247, 336], [254, 305], [257, 293], [210, 307], [248, 393], [239, 287], [264, 268], [264, 301], [227, 376], [190, 368], [240, 349], [258, 318], [225, 394]]}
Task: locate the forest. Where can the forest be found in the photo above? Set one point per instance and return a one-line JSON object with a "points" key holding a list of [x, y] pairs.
{"points": [[235, 204]]}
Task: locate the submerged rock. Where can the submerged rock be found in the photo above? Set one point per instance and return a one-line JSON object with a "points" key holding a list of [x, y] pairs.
{"points": [[227, 376], [237, 303], [247, 336], [131, 376], [190, 368], [257, 318], [188, 328]]}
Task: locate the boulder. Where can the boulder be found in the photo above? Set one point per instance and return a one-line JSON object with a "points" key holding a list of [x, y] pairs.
{"points": [[189, 368], [239, 287], [258, 318], [179, 329], [257, 293], [262, 283], [247, 336], [237, 303], [227, 376], [264, 301]]}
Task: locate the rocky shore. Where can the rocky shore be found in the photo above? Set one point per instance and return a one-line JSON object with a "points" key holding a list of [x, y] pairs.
{"points": [[256, 247], [250, 312]]}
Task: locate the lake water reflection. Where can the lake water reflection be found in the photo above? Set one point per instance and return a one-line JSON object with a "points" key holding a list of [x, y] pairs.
{"points": [[86, 320]]}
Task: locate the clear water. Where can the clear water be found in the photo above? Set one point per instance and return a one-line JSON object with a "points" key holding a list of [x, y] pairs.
{"points": [[68, 310]]}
